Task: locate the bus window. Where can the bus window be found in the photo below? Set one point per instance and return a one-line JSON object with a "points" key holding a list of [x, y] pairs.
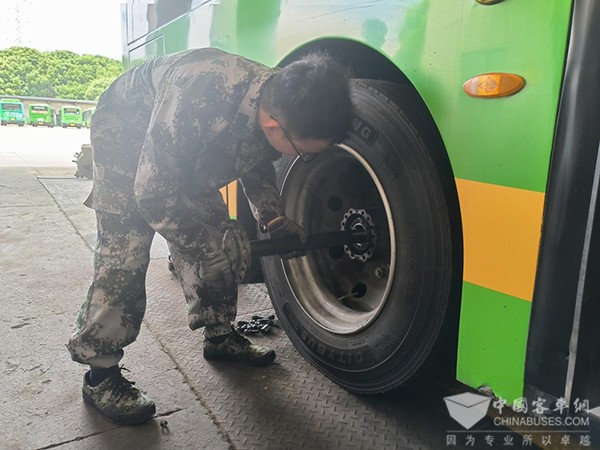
{"points": [[149, 15]]}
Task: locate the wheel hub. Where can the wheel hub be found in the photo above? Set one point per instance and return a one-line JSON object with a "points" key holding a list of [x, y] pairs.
{"points": [[359, 220]]}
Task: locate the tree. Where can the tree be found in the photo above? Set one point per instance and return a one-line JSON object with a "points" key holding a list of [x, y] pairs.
{"points": [[19, 69], [97, 87], [61, 74]]}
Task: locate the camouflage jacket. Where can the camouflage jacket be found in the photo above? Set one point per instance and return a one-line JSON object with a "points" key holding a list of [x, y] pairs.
{"points": [[191, 129]]}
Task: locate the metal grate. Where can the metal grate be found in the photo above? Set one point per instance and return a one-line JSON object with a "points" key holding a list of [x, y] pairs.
{"points": [[287, 405]]}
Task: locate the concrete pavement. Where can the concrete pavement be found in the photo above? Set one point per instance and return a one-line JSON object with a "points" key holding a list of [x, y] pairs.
{"points": [[46, 240], [45, 269]]}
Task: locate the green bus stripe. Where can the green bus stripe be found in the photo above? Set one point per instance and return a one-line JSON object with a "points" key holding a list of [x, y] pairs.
{"points": [[492, 341]]}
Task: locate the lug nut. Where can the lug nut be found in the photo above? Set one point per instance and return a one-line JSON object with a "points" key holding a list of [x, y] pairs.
{"points": [[382, 271]]}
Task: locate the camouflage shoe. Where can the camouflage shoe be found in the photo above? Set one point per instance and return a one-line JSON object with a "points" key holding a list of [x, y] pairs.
{"points": [[117, 399], [235, 347]]}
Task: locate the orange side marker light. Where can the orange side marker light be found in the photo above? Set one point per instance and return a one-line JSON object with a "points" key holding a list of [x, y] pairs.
{"points": [[493, 85]]}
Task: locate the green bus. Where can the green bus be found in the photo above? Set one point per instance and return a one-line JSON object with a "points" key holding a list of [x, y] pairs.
{"points": [[87, 116], [12, 112], [40, 114], [472, 163], [70, 116]]}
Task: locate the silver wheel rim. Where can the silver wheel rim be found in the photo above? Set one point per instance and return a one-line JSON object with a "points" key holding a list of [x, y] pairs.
{"points": [[339, 294]]}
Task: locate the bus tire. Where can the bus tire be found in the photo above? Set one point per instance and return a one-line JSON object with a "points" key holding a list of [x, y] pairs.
{"points": [[373, 319]]}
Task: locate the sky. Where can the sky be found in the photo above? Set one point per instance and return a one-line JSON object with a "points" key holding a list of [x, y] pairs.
{"points": [[81, 26]]}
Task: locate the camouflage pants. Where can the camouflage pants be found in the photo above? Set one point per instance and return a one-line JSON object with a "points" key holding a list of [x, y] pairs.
{"points": [[111, 316]]}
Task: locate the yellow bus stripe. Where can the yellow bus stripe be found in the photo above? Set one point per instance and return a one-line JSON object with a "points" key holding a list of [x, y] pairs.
{"points": [[501, 227], [229, 194]]}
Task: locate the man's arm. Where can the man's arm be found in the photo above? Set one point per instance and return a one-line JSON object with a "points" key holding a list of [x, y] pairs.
{"points": [[259, 187]]}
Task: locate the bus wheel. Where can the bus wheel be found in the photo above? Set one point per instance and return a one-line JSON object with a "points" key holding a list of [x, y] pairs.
{"points": [[372, 316]]}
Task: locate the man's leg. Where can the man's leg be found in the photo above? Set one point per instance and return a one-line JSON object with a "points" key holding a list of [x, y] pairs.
{"points": [[210, 291], [111, 316], [211, 302]]}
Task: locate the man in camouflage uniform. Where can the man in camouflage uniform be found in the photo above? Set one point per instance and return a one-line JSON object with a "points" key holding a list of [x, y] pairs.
{"points": [[166, 136]]}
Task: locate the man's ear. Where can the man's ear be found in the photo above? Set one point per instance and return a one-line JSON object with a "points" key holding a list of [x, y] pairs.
{"points": [[270, 126]]}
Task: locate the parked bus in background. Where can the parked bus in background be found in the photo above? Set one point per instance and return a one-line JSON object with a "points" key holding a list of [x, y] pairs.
{"points": [[40, 114], [11, 112], [70, 116], [87, 116]]}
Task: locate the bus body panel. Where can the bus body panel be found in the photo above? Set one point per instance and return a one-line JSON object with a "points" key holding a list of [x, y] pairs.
{"points": [[12, 112], [70, 116], [86, 117], [499, 148], [40, 114]]}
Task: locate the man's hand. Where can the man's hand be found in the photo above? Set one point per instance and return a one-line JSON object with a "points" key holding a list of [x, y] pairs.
{"points": [[283, 227]]}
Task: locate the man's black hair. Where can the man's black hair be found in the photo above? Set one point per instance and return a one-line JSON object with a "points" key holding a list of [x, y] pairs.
{"points": [[311, 97]]}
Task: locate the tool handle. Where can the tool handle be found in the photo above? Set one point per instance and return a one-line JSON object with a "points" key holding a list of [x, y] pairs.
{"points": [[283, 245]]}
